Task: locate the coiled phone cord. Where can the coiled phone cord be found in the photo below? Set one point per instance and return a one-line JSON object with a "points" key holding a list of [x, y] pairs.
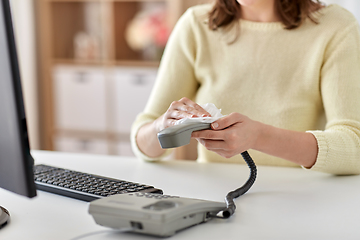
{"points": [[229, 199]]}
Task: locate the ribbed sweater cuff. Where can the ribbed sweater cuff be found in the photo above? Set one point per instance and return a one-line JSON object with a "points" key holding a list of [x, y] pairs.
{"points": [[321, 160]]}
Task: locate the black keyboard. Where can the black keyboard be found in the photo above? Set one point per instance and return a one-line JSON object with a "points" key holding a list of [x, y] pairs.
{"points": [[84, 186]]}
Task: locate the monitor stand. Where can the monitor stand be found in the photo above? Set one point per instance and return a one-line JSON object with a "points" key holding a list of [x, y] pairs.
{"points": [[4, 217]]}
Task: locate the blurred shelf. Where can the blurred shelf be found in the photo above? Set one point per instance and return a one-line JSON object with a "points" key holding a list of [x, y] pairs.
{"points": [[84, 38]]}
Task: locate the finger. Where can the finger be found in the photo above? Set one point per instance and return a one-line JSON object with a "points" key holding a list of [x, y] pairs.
{"points": [[179, 115], [202, 112], [170, 122], [195, 108], [213, 145], [208, 135], [181, 106], [228, 121], [177, 110], [192, 111], [175, 105]]}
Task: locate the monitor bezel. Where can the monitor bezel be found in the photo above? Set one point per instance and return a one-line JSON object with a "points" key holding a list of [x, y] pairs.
{"points": [[28, 162]]}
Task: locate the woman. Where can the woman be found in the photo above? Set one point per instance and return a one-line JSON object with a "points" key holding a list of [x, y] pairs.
{"points": [[285, 72]]}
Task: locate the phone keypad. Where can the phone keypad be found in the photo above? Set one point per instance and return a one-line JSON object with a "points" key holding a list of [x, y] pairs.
{"points": [[152, 195]]}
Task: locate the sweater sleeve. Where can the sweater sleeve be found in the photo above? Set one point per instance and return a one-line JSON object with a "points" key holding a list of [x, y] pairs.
{"points": [[175, 79], [339, 143]]}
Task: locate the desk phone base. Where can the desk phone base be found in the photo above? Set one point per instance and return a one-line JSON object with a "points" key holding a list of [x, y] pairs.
{"points": [[153, 214]]}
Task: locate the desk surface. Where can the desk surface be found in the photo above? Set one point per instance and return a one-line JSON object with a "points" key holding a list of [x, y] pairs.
{"points": [[284, 203]]}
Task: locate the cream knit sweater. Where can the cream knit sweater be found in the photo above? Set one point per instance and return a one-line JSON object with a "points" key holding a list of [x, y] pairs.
{"points": [[306, 79]]}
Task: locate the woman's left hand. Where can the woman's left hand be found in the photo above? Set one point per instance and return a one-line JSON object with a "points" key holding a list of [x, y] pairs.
{"points": [[230, 135]]}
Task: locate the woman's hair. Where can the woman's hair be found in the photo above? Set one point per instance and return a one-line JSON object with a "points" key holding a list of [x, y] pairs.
{"points": [[292, 13]]}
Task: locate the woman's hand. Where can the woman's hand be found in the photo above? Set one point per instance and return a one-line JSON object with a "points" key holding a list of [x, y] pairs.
{"points": [[146, 137], [184, 108], [236, 133], [231, 135]]}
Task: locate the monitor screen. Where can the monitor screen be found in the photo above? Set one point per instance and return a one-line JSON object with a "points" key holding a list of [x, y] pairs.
{"points": [[16, 163]]}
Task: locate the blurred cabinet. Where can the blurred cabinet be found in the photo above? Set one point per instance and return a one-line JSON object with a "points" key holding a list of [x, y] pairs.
{"points": [[131, 90], [80, 98], [94, 107], [98, 61]]}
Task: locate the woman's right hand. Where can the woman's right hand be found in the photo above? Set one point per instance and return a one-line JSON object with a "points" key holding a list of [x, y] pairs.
{"points": [[184, 108], [146, 137]]}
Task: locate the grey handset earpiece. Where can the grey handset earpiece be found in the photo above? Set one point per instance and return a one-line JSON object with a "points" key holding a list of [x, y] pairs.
{"points": [[179, 135]]}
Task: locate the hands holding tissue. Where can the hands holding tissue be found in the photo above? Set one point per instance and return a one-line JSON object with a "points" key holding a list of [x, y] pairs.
{"points": [[230, 135]]}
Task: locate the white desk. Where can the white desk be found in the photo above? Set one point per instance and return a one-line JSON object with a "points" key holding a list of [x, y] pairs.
{"points": [[284, 203]]}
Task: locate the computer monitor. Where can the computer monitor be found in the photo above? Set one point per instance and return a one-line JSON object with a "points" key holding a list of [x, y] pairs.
{"points": [[16, 163]]}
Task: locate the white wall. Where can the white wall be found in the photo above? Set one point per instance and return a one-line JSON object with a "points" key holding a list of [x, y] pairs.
{"points": [[352, 5], [24, 28]]}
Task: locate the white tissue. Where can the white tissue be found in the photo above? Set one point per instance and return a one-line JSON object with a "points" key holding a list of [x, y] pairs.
{"points": [[210, 108]]}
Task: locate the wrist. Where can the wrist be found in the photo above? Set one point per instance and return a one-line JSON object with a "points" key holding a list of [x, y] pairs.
{"points": [[261, 134], [157, 124]]}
